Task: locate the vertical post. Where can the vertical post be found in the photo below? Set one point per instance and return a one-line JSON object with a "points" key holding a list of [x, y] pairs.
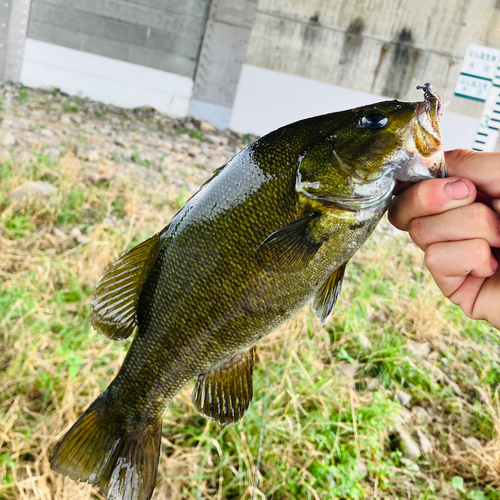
{"points": [[14, 17], [221, 58]]}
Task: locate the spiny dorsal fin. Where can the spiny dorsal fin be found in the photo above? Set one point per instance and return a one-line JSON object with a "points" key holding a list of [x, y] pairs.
{"points": [[291, 246], [327, 295], [113, 310], [224, 395]]}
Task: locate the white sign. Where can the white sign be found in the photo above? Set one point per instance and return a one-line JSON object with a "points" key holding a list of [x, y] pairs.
{"points": [[481, 61], [475, 88]]}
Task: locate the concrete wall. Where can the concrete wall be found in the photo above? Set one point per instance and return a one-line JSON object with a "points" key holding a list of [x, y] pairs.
{"points": [[381, 47], [14, 17], [105, 79], [224, 46], [164, 35], [308, 57]]}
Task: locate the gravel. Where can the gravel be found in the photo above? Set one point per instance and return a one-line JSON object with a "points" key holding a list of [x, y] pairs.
{"points": [[110, 142]]}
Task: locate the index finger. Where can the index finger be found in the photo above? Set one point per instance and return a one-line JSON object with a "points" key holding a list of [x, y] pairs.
{"points": [[430, 197], [483, 169]]}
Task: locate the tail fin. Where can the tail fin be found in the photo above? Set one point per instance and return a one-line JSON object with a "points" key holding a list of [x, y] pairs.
{"points": [[121, 463]]}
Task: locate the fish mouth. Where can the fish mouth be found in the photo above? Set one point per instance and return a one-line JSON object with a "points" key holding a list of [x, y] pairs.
{"points": [[421, 142], [418, 156]]}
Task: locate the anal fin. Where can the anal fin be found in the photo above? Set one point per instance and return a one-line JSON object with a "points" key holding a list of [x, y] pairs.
{"points": [[113, 310], [224, 395], [325, 299]]}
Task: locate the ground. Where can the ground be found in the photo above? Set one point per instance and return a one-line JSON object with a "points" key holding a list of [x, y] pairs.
{"points": [[396, 397]]}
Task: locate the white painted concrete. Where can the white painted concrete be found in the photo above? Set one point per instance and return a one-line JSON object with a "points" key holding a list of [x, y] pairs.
{"points": [[102, 78], [266, 100], [220, 116]]}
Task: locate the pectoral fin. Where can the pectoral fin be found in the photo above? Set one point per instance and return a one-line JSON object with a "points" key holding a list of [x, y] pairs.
{"points": [[291, 246], [328, 294], [113, 310], [224, 395]]}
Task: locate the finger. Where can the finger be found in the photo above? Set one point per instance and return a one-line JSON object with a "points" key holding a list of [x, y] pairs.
{"points": [[452, 262], [495, 205], [483, 169], [463, 223], [430, 198], [485, 302]]}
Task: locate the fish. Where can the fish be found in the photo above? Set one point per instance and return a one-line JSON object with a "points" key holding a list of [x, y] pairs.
{"points": [[271, 230]]}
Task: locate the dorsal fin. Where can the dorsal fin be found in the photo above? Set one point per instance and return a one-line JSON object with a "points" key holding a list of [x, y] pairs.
{"points": [[113, 310], [325, 299], [224, 395]]}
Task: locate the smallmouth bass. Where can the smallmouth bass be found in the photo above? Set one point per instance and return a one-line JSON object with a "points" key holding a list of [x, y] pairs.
{"points": [[269, 231]]}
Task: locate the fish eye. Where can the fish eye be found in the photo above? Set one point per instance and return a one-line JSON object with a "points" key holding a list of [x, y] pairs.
{"points": [[374, 121]]}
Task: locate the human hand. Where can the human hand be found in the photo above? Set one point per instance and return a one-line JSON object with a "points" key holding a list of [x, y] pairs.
{"points": [[455, 222]]}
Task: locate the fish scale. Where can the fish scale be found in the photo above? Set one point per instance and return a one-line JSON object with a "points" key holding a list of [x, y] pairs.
{"points": [[271, 230]]}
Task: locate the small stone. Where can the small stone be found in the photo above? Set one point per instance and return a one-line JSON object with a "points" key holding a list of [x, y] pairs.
{"points": [[46, 132], [93, 155], [207, 127], [473, 443], [215, 139], [34, 189], [421, 349], [93, 177], [371, 383], [433, 356], [75, 233], [361, 468], [425, 443], [408, 446], [82, 239], [403, 397], [482, 395], [412, 466], [7, 139], [194, 151], [58, 233], [119, 141], [66, 120], [50, 251], [110, 219], [347, 370], [54, 154], [420, 413], [47, 88], [454, 387], [364, 342]]}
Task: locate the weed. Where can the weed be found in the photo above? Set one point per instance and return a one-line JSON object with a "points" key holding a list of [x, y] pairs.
{"points": [[181, 199], [22, 94], [18, 225], [136, 158], [194, 133]]}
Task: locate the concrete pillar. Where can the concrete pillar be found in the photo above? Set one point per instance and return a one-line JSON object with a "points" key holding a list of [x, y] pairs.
{"points": [[221, 59], [14, 16]]}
